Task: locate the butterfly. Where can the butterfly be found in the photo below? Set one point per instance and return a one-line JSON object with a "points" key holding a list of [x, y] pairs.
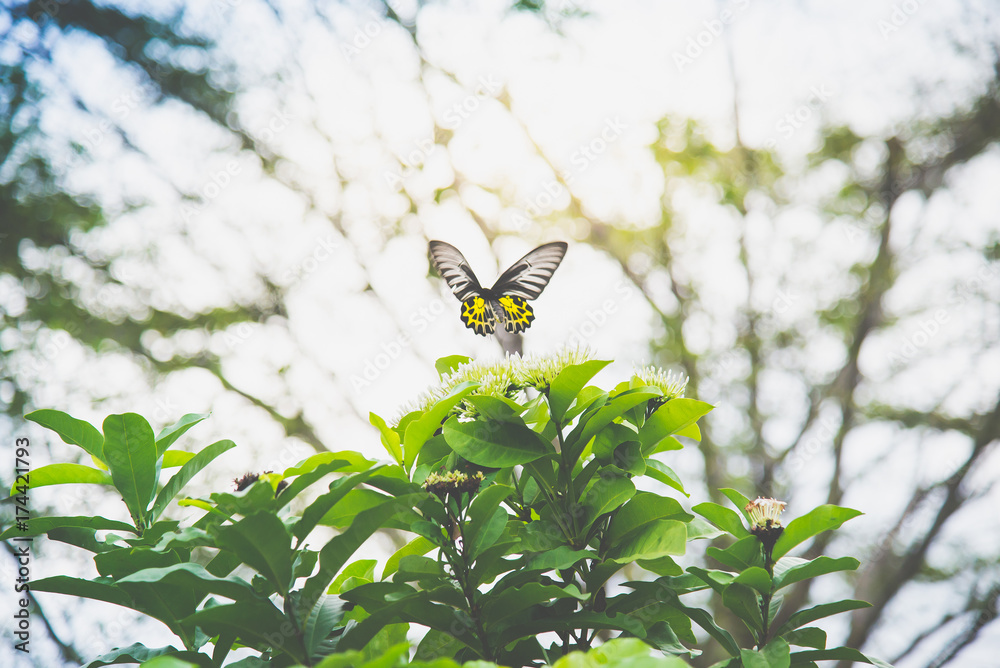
{"points": [[507, 300]]}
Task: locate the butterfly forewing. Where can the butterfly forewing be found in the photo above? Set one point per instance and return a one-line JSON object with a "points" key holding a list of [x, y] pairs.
{"points": [[528, 276], [455, 270]]}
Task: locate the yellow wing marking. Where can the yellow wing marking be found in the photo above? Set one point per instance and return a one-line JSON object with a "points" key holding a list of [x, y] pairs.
{"points": [[517, 314], [478, 316]]}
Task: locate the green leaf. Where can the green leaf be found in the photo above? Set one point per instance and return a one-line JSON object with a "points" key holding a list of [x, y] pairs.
{"points": [[169, 435], [316, 511], [496, 409], [757, 578], [588, 397], [691, 431], [191, 577], [175, 458], [447, 365], [65, 474], [188, 471], [256, 622], [643, 508], [670, 418], [565, 387], [743, 603], [130, 453], [605, 495], [172, 662], [98, 591], [357, 572], [42, 525], [660, 472], [513, 601], [786, 574], [742, 554], [323, 618], [417, 546], [70, 430], [262, 542], [390, 602], [737, 499], [810, 636], [774, 654], [717, 580], [608, 439], [343, 512], [803, 617], [722, 517], [138, 652], [621, 653], [594, 421], [390, 439], [486, 520], [559, 557], [309, 474], [566, 623], [339, 549], [838, 654], [655, 539], [354, 462], [495, 444], [419, 430], [432, 647], [416, 567], [660, 590], [817, 520]]}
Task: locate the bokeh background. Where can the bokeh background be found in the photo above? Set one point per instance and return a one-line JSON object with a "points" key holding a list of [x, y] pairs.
{"points": [[224, 206]]}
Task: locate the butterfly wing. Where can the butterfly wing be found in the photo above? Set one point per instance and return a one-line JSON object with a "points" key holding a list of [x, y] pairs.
{"points": [[455, 270], [527, 277], [517, 314], [478, 315]]}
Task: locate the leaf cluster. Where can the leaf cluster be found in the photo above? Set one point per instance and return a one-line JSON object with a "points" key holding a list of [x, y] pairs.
{"points": [[523, 499]]}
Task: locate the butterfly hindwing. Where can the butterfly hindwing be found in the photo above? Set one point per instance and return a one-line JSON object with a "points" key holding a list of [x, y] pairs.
{"points": [[517, 314], [477, 314], [508, 299]]}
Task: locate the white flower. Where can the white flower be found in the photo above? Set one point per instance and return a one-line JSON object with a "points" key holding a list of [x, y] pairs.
{"points": [[765, 513], [672, 385]]}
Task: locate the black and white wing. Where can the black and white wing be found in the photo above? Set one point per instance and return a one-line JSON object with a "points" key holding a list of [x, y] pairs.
{"points": [[528, 276], [454, 269]]}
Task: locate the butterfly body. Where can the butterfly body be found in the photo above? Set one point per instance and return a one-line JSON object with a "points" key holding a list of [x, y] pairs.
{"points": [[507, 300]]}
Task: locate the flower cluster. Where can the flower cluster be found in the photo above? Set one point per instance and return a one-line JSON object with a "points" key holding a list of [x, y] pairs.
{"points": [[452, 482], [765, 513], [671, 384], [765, 521], [539, 372], [501, 379], [250, 478]]}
